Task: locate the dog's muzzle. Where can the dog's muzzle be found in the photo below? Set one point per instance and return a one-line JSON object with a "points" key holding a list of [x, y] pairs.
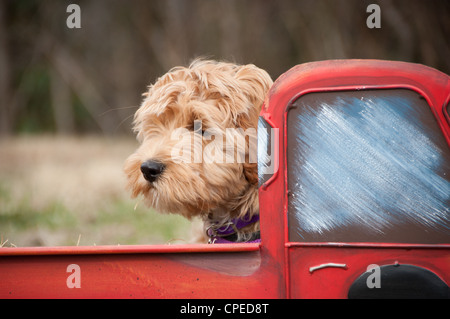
{"points": [[151, 170]]}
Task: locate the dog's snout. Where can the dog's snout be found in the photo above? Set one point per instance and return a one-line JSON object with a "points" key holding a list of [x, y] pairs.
{"points": [[151, 170]]}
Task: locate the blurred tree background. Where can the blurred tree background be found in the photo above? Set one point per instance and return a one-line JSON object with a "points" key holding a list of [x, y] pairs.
{"points": [[90, 80], [67, 96]]}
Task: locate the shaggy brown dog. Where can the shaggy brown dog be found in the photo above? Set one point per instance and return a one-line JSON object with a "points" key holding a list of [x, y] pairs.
{"points": [[197, 129]]}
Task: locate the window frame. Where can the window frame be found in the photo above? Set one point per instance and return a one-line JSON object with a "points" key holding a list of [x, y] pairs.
{"points": [[336, 92]]}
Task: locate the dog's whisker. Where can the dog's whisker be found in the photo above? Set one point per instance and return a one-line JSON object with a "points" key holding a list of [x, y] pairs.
{"points": [[123, 121], [137, 204], [117, 109]]}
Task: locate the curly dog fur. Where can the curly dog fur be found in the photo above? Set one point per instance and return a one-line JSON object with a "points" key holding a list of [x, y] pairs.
{"points": [[219, 96]]}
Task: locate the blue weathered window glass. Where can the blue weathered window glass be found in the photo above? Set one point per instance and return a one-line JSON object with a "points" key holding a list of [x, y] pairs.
{"points": [[367, 166]]}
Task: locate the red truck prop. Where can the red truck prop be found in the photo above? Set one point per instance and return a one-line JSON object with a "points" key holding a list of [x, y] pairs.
{"points": [[354, 203]]}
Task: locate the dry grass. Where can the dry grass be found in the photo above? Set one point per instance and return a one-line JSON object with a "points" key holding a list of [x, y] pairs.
{"points": [[68, 190]]}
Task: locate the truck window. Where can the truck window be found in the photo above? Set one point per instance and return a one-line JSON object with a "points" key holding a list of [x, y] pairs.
{"points": [[367, 166]]}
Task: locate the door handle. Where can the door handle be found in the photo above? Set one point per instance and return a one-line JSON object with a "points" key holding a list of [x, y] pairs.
{"points": [[327, 265]]}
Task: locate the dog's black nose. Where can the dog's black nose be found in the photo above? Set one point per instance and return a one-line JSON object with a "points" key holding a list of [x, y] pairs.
{"points": [[152, 170]]}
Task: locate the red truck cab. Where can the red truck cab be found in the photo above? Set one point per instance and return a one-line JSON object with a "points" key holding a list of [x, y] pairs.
{"points": [[363, 180], [354, 168]]}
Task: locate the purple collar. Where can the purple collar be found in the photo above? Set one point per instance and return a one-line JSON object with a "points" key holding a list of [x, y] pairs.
{"points": [[216, 236]]}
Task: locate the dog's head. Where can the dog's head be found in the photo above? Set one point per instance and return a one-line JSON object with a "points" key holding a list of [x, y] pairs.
{"points": [[197, 129]]}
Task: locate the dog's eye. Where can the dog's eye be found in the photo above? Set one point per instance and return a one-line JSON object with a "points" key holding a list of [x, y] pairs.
{"points": [[197, 127], [198, 130]]}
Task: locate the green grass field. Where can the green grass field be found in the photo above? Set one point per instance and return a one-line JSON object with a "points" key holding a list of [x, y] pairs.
{"points": [[58, 191]]}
